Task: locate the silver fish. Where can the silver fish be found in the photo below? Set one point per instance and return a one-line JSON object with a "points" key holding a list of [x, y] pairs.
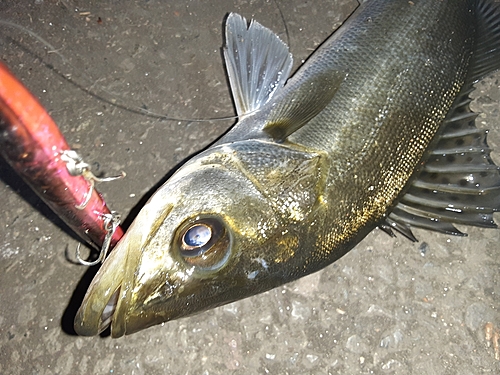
{"points": [[373, 130]]}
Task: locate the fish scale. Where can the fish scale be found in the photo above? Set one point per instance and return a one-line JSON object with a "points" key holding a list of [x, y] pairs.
{"points": [[393, 76]]}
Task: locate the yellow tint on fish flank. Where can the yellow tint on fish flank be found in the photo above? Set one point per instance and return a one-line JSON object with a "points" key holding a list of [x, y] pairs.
{"points": [[286, 245]]}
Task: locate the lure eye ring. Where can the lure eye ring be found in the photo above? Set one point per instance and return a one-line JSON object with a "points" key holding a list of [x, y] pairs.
{"points": [[204, 243]]}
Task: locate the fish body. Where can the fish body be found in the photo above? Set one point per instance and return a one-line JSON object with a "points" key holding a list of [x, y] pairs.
{"points": [[373, 130]]}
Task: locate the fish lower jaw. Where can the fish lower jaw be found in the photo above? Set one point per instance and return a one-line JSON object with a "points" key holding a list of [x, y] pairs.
{"points": [[109, 310]]}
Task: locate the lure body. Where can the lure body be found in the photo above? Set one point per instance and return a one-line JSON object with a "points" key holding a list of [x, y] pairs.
{"points": [[33, 145]]}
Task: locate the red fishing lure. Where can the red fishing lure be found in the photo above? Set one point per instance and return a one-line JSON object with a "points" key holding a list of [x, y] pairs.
{"points": [[33, 145]]}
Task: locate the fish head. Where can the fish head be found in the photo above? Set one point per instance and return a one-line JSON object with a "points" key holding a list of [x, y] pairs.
{"points": [[219, 230]]}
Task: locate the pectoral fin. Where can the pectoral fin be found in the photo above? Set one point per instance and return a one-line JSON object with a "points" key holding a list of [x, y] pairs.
{"points": [[258, 63], [299, 106]]}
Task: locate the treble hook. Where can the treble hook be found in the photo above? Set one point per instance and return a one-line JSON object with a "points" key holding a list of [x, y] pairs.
{"points": [[111, 222], [77, 167]]}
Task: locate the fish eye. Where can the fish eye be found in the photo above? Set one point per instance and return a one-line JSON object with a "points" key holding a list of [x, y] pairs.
{"points": [[196, 238], [204, 242]]}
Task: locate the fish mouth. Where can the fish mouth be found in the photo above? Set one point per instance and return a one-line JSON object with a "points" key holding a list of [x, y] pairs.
{"points": [[98, 312], [112, 299], [101, 305], [109, 311]]}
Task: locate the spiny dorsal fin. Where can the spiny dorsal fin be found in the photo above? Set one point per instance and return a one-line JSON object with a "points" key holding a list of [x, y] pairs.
{"points": [[299, 106], [258, 63], [486, 57], [459, 182]]}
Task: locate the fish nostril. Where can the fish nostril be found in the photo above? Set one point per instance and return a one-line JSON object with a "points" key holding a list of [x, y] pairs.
{"points": [[109, 310]]}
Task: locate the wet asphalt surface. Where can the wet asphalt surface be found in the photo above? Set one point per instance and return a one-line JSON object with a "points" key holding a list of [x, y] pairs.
{"points": [[389, 307]]}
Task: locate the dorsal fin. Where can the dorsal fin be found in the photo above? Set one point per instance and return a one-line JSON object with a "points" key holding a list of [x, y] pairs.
{"points": [[459, 183], [486, 57], [258, 63]]}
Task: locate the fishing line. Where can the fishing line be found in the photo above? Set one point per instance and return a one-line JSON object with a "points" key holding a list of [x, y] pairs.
{"points": [[67, 77], [112, 102], [288, 41], [52, 49]]}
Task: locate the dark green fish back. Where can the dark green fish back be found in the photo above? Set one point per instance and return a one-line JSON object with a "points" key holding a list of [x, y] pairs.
{"points": [[407, 95], [459, 182]]}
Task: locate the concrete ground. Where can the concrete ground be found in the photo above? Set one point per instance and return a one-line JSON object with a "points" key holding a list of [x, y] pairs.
{"points": [[388, 307]]}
